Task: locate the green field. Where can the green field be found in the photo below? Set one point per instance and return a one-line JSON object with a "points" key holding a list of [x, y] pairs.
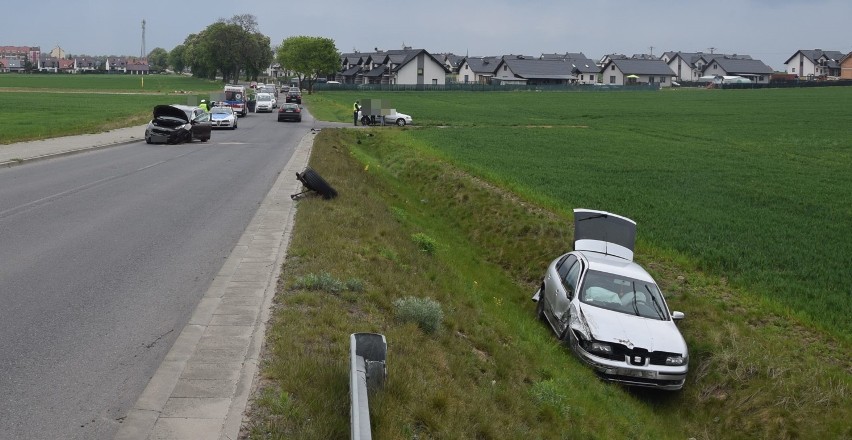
{"points": [[107, 83], [43, 106], [751, 185]]}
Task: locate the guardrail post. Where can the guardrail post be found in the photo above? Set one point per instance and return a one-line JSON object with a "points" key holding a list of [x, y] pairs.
{"points": [[367, 372]]}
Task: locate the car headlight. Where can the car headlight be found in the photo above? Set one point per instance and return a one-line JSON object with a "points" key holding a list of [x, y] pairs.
{"points": [[600, 348], [675, 360]]}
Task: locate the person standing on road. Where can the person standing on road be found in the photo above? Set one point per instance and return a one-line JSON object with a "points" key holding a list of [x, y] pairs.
{"points": [[355, 113], [204, 106]]}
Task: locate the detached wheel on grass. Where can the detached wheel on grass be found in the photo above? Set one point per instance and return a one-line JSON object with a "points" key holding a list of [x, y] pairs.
{"points": [[313, 181]]}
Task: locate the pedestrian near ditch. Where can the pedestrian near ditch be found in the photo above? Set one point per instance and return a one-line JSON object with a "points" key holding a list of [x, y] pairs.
{"points": [[355, 113]]}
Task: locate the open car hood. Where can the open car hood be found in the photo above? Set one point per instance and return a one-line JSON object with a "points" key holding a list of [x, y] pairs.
{"points": [[169, 111], [604, 232]]}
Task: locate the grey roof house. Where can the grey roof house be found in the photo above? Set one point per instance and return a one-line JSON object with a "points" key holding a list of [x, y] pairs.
{"points": [[522, 70], [477, 70], [754, 70], [815, 63], [401, 67], [623, 71]]}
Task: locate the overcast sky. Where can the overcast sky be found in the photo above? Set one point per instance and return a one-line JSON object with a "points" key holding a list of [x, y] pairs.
{"points": [[769, 30]]}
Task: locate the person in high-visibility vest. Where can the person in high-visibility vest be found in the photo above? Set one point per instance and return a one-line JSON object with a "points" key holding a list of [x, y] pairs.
{"points": [[203, 106], [355, 113]]}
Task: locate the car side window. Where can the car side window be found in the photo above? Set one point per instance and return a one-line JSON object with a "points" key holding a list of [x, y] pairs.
{"points": [[564, 265], [570, 280]]}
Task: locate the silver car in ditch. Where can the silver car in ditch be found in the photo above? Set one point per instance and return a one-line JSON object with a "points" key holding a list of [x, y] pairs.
{"points": [[608, 308]]}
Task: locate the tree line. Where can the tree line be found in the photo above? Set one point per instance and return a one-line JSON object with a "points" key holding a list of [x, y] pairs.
{"points": [[235, 49]]}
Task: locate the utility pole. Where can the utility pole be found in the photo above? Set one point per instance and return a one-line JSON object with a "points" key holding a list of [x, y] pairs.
{"points": [[142, 55]]}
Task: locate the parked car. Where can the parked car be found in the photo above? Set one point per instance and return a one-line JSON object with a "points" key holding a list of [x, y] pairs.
{"points": [[609, 309], [400, 119], [290, 112], [264, 103], [173, 124], [223, 117], [294, 95], [394, 117]]}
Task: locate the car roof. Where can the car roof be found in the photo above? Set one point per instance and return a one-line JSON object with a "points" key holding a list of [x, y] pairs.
{"points": [[615, 265]]}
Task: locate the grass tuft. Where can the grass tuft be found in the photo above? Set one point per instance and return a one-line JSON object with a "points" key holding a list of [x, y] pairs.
{"points": [[425, 312]]}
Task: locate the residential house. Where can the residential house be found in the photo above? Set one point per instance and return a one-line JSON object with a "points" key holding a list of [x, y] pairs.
{"points": [[755, 70], [417, 67], [350, 70], [115, 65], [477, 70], [814, 63], [622, 71], [11, 65], [451, 61], [688, 66], [47, 63], [400, 67], [534, 71], [584, 69], [846, 67], [138, 66], [87, 64]]}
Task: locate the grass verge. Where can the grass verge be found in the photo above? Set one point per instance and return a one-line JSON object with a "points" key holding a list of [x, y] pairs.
{"points": [[490, 370]]}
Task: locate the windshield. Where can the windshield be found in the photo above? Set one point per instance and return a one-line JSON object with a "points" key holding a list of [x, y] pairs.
{"points": [[233, 95], [221, 110], [622, 294]]}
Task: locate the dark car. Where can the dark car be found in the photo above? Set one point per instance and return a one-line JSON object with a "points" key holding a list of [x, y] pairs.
{"points": [[294, 95], [290, 112], [173, 124]]}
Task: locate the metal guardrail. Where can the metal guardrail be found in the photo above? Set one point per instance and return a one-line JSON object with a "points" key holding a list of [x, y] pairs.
{"points": [[367, 372]]}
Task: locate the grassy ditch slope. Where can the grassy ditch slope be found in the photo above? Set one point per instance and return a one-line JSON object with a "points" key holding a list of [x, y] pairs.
{"points": [[466, 216]]}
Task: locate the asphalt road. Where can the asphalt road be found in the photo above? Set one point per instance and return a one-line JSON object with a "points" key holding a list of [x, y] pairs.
{"points": [[103, 257]]}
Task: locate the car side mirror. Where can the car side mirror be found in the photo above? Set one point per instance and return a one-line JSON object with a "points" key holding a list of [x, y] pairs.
{"points": [[677, 316]]}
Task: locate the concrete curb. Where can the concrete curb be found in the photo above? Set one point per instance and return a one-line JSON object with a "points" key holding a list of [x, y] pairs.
{"points": [[203, 385], [112, 138]]}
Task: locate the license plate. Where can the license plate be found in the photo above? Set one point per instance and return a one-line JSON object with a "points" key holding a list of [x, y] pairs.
{"points": [[639, 373]]}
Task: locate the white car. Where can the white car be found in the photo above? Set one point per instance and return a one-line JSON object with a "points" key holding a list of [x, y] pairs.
{"points": [[265, 103], [223, 117], [608, 308], [400, 119], [393, 117]]}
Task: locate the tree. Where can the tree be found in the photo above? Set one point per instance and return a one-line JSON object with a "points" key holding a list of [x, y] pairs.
{"points": [[158, 59], [258, 55], [176, 59], [308, 57]]}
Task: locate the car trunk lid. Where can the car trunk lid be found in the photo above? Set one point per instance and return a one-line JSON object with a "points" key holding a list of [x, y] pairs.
{"points": [[604, 232]]}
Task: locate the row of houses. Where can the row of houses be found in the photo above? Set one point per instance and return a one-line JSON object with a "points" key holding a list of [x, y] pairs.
{"points": [[419, 67], [16, 59]]}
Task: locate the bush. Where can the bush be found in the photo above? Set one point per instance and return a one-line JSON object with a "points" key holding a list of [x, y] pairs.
{"points": [[425, 312], [425, 243]]}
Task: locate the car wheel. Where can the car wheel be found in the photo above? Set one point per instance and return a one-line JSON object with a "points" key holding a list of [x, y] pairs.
{"points": [[148, 140], [313, 181], [400, 122]]}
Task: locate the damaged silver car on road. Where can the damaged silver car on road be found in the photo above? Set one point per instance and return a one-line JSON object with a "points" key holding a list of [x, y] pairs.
{"points": [[608, 308]]}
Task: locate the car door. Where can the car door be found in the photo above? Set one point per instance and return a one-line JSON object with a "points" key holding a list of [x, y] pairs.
{"points": [[201, 126], [557, 297]]}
